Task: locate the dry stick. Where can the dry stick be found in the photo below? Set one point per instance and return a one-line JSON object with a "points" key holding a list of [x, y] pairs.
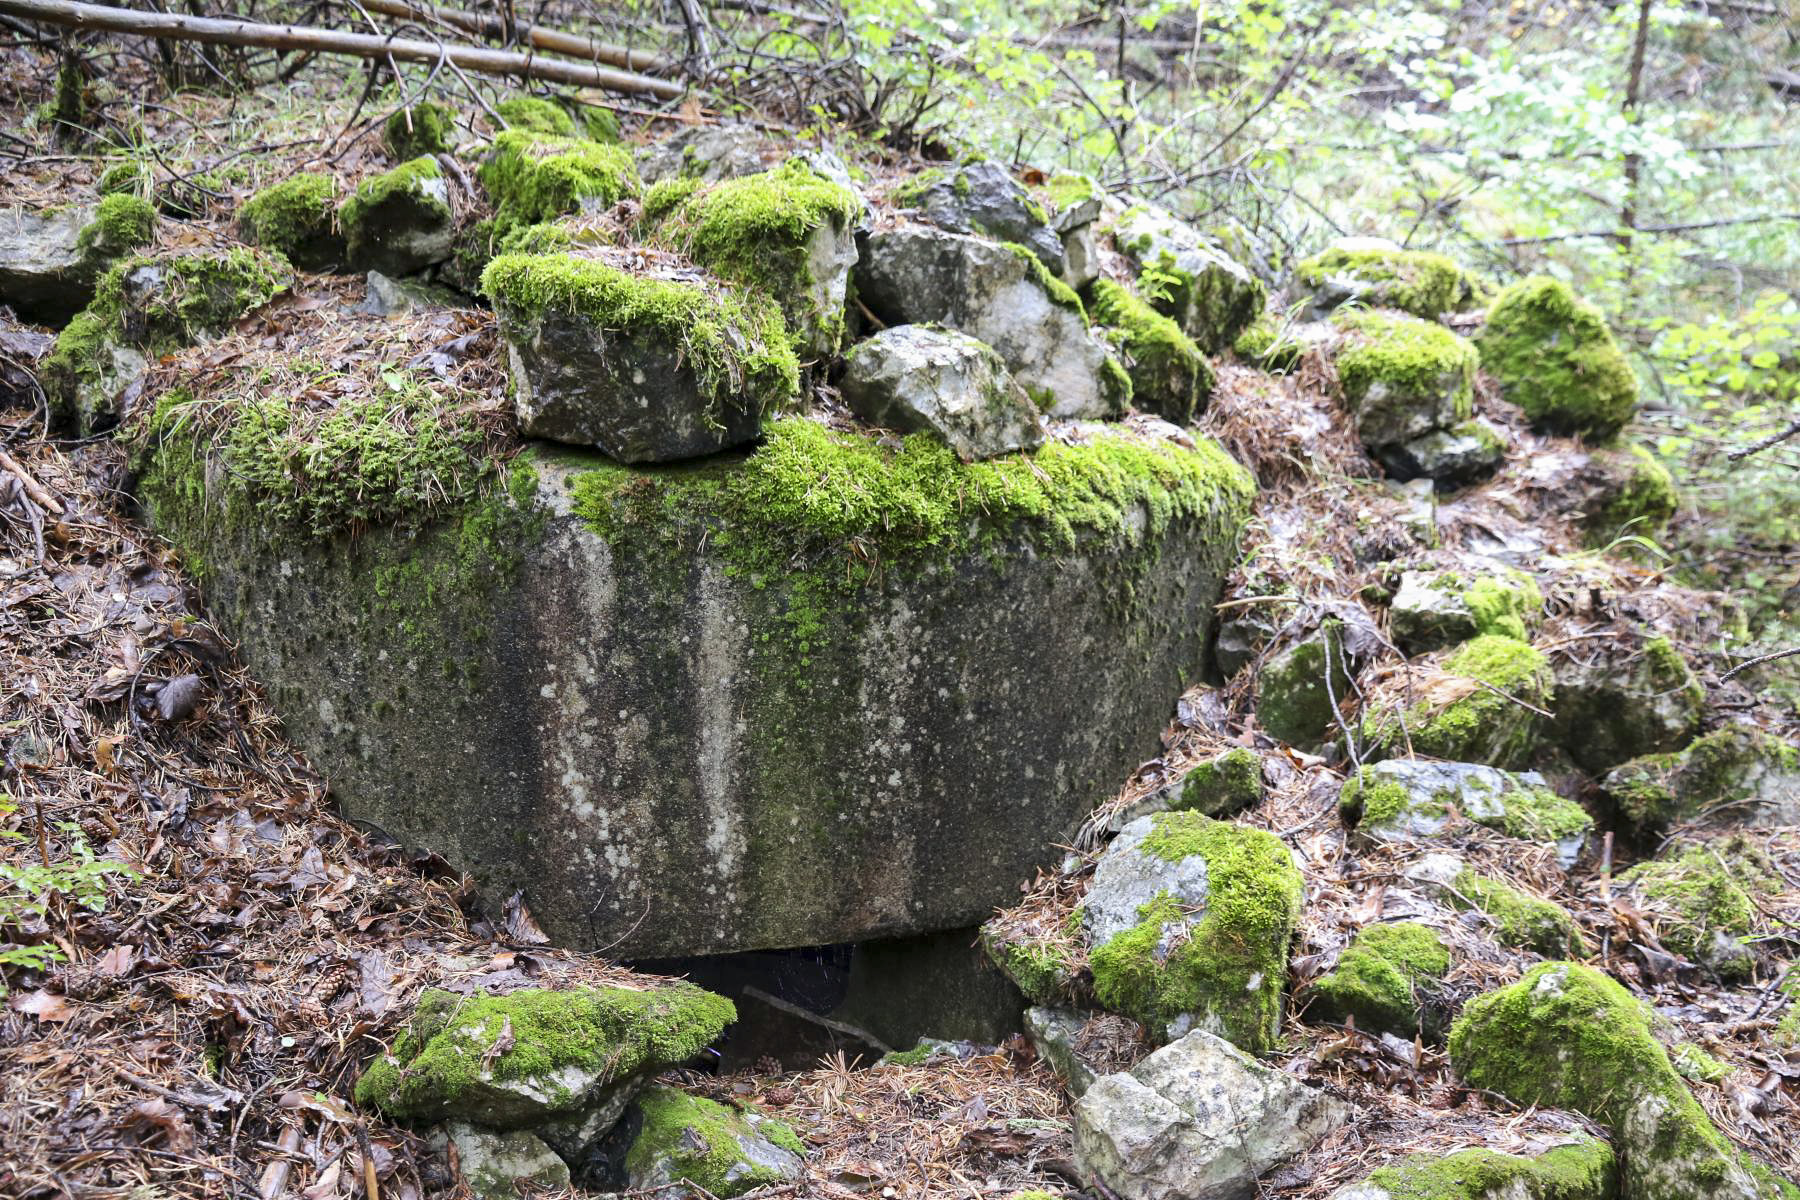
{"points": [[555, 41], [1757, 662], [1757, 447], [275, 1175], [33, 488], [175, 26]]}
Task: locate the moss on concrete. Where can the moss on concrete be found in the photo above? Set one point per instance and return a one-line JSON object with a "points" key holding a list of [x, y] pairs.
{"points": [[1555, 358], [1379, 979], [1226, 974]]}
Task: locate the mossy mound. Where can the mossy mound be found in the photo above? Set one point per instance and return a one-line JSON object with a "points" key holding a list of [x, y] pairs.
{"points": [[534, 177], [131, 176], [296, 218], [1738, 772], [1705, 900], [1519, 919], [785, 232], [1223, 971], [1419, 282], [1169, 375], [425, 128], [1433, 610], [1386, 981], [1464, 721], [123, 221], [1581, 1170], [144, 308], [399, 221], [1225, 784], [568, 1048], [1555, 358], [1301, 690], [1567, 1036], [1635, 496], [1403, 377], [534, 114], [724, 1151]]}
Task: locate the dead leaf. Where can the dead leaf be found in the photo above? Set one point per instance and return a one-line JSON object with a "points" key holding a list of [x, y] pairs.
{"points": [[518, 924], [44, 1005]]}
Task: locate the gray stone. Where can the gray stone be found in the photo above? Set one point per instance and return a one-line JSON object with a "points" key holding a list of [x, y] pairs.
{"points": [[1054, 1033], [1213, 298], [400, 229], [1617, 700], [1197, 1120], [494, 1163], [724, 1150], [575, 1135], [1429, 613], [983, 198], [621, 712], [1081, 256], [921, 275], [397, 297], [726, 151], [1453, 457], [45, 274], [1126, 878], [1295, 699], [1737, 775], [913, 378], [1519, 805]]}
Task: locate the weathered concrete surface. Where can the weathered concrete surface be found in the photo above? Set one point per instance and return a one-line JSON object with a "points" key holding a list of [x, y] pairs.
{"points": [[639, 735]]}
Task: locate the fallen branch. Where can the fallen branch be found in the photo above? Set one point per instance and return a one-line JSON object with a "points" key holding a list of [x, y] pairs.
{"points": [[33, 488], [177, 27], [1774, 439], [1757, 662], [554, 40]]}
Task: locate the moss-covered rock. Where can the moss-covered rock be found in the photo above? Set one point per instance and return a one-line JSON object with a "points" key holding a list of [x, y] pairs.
{"points": [[1738, 774], [588, 340], [1382, 275], [1518, 918], [569, 1050], [1435, 609], [494, 1163], [1409, 800], [789, 233], [1187, 276], [1222, 785], [1584, 1169], [297, 218], [399, 221], [51, 260], [1704, 899], [1043, 970], [1169, 375], [1482, 707], [144, 308], [1403, 377], [424, 128], [1555, 358], [1301, 690], [534, 177], [983, 197], [1620, 699], [1567, 1036], [534, 114], [914, 378], [724, 1151], [1626, 493], [1386, 980], [462, 676], [1217, 964], [1454, 457]]}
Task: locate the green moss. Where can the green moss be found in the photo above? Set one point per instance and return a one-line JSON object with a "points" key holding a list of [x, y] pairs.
{"points": [[908, 1058], [1482, 726], [755, 230], [1642, 501], [1693, 1062], [614, 1032], [121, 222], [735, 342], [1583, 1170], [1269, 344], [1787, 1030], [1414, 281], [533, 114], [294, 217], [1228, 973], [1293, 701], [601, 125], [1379, 978], [534, 177], [1504, 605], [701, 1141], [1555, 358], [1223, 785], [1406, 355], [1380, 802], [130, 176], [1067, 190], [910, 192], [1041, 970], [1060, 293], [403, 190], [1716, 772], [1169, 375], [1520, 919], [425, 128], [1705, 900]]}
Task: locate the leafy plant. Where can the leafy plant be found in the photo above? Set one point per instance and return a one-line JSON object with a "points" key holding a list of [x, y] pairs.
{"points": [[28, 891]]}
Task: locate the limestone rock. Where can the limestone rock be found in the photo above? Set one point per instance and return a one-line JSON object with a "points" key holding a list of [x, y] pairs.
{"points": [[1568, 1036], [399, 222], [1189, 277], [1403, 378], [645, 367], [570, 1051], [494, 1163], [1555, 358], [633, 670], [1463, 454], [1740, 774], [1513, 917], [298, 218], [1054, 1033], [1224, 784], [1169, 375], [1189, 921], [1410, 800], [1481, 703], [1580, 1169], [914, 378], [51, 258], [710, 152], [1388, 980], [1197, 1120], [1380, 274], [1616, 701], [982, 197], [725, 1151], [1006, 298], [1435, 609]]}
